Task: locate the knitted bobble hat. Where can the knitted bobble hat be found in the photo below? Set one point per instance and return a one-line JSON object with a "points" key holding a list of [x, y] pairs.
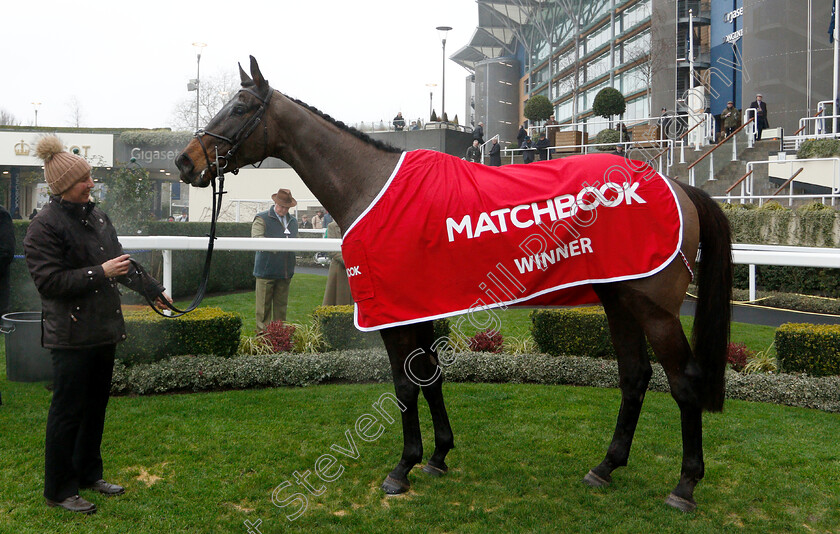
{"points": [[61, 168]]}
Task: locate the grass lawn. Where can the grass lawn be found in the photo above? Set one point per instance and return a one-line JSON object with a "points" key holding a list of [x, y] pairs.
{"points": [[307, 292], [208, 462]]}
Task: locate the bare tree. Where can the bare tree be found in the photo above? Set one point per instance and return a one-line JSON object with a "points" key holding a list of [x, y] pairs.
{"points": [[214, 93], [74, 117], [7, 119], [651, 57]]}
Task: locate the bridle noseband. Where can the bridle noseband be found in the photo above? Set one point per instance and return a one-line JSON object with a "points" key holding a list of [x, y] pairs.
{"points": [[241, 135]]}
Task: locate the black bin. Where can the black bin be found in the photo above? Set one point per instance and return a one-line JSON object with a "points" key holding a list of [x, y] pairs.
{"points": [[26, 359]]}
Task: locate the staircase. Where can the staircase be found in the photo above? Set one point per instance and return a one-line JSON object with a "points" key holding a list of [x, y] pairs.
{"points": [[726, 171]]}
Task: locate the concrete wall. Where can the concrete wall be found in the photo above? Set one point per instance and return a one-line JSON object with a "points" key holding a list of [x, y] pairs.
{"points": [[776, 59]]}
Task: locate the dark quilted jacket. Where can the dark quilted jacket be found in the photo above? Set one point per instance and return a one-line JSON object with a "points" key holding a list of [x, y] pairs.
{"points": [[66, 245]]}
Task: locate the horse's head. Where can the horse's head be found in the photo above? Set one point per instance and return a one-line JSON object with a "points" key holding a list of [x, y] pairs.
{"points": [[237, 135]]}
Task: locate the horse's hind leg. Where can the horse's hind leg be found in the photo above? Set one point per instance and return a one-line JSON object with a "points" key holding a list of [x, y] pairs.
{"points": [[668, 340], [402, 343], [634, 374]]}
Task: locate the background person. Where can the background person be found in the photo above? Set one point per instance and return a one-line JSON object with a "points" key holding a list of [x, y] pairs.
{"points": [[761, 122], [731, 118], [76, 261], [274, 269], [338, 287], [495, 154], [474, 152], [7, 254]]}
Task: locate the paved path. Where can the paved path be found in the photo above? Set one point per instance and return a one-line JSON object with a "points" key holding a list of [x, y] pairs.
{"points": [[745, 313]]}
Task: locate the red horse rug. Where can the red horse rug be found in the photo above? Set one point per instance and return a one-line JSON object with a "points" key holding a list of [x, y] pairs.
{"points": [[446, 237]]}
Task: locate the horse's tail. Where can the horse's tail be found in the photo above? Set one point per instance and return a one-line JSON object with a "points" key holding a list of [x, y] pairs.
{"points": [[710, 337]]}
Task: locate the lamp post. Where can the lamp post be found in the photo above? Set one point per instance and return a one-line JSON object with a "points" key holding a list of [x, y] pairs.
{"points": [[194, 85], [443, 30], [431, 87], [36, 104]]}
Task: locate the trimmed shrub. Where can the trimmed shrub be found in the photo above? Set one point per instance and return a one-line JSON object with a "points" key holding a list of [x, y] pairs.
{"points": [[151, 337], [607, 136], [809, 348], [206, 373], [572, 332], [819, 148], [486, 341], [340, 333], [280, 336]]}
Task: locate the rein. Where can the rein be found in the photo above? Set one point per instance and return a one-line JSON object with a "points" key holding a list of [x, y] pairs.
{"points": [[220, 163], [205, 275]]}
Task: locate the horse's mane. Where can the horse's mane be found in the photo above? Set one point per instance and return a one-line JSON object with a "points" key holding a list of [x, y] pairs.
{"points": [[349, 129]]}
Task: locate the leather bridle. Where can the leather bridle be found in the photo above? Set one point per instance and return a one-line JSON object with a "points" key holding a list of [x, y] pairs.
{"points": [[220, 163], [243, 133]]}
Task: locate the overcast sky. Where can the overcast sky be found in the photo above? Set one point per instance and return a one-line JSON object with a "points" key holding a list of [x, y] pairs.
{"points": [[127, 64]]}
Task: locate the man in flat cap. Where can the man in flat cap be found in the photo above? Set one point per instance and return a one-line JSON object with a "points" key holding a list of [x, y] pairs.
{"points": [[274, 270], [731, 118]]}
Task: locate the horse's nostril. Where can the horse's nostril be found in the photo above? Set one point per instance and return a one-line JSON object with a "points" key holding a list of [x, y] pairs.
{"points": [[184, 163]]}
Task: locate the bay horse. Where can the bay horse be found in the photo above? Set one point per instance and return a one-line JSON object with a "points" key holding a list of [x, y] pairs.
{"points": [[345, 169]]}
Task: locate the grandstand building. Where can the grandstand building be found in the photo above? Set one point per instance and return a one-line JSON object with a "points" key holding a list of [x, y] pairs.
{"points": [[568, 50]]}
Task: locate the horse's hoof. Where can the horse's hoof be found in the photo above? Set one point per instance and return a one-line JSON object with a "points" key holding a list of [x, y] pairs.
{"points": [[684, 505], [595, 481], [392, 486], [431, 470]]}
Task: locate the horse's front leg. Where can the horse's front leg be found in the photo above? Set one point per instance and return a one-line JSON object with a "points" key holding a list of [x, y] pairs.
{"points": [[444, 439], [410, 369]]}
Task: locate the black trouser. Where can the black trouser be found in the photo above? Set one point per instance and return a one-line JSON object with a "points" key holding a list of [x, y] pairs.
{"points": [[82, 384]]}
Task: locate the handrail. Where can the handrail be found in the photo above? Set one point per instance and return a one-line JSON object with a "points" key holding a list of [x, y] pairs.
{"points": [[789, 180], [806, 125], [725, 139], [741, 179], [680, 138]]}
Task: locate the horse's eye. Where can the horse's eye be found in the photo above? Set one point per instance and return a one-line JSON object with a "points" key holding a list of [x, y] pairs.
{"points": [[238, 110]]}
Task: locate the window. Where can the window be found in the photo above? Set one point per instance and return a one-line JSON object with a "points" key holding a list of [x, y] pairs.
{"points": [[598, 67]]}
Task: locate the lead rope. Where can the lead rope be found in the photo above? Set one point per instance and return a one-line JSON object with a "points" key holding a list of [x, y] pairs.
{"points": [[215, 210]]}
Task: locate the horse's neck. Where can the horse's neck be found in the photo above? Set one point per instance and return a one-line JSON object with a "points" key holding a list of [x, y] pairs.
{"points": [[343, 172]]}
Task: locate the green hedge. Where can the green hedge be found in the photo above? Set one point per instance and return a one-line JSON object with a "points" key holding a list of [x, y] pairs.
{"points": [[206, 373], [336, 324], [573, 331], [775, 224], [150, 337], [808, 348]]}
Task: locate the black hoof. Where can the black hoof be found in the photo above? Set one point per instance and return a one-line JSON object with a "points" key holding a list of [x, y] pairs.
{"points": [[392, 486], [684, 505], [595, 481], [431, 470]]}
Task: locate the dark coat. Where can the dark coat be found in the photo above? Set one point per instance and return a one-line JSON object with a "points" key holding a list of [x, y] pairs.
{"points": [[520, 136], [528, 152], [7, 254], [478, 133], [474, 154], [65, 247], [761, 116], [542, 146], [274, 265], [495, 155]]}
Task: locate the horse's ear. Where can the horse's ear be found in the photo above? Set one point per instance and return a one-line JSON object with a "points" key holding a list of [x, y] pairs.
{"points": [[242, 76], [256, 74]]}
